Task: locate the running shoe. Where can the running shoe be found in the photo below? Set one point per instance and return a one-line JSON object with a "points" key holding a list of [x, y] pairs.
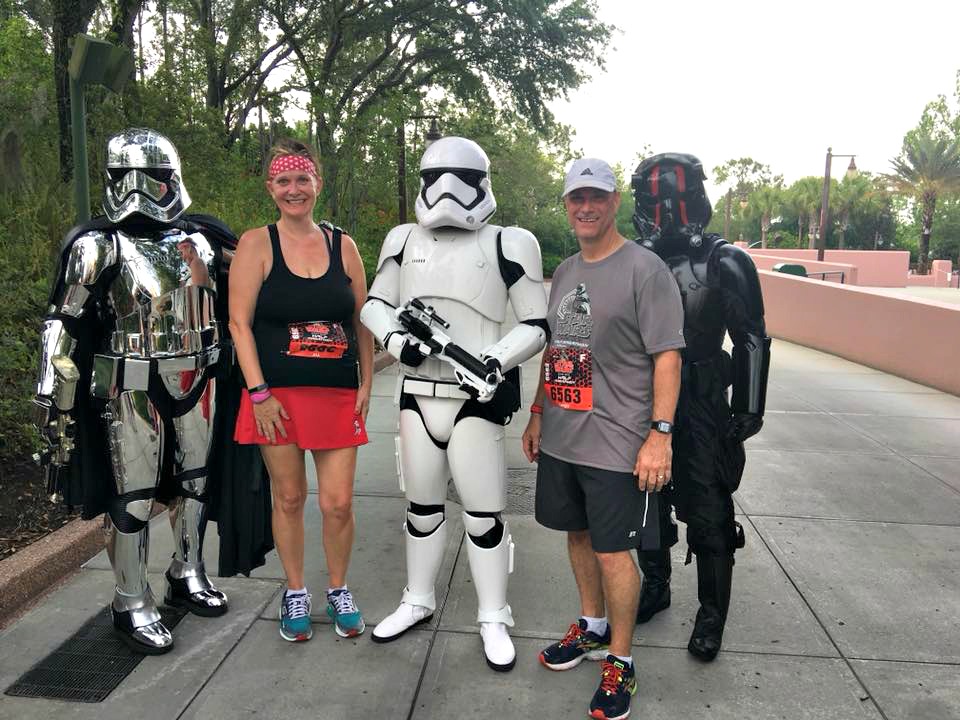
{"points": [[577, 645], [618, 684], [295, 617], [343, 610]]}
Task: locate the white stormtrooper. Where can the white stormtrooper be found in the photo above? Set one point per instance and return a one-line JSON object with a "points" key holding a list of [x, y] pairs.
{"points": [[466, 271]]}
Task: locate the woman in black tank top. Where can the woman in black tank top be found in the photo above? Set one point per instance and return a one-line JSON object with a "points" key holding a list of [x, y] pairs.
{"points": [[296, 289]]}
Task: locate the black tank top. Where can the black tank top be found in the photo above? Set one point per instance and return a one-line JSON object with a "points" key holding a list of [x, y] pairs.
{"points": [[303, 327]]}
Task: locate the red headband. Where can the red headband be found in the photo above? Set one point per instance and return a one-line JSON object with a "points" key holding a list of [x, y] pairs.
{"points": [[282, 163]]}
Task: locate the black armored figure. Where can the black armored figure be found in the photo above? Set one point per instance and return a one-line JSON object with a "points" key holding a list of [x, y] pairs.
{"points": [[721, 293], [126, 395]]}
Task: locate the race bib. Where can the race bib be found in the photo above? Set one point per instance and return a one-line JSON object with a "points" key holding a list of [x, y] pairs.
{"points": [[317, 339], [568, 377]]}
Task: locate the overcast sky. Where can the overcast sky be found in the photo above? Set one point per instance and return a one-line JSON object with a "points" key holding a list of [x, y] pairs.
{"points": [[776, 81]]}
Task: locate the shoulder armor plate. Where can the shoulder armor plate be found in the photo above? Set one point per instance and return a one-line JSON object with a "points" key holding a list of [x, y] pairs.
{"points": [[521, 246], [394, 243], [90, 254]]}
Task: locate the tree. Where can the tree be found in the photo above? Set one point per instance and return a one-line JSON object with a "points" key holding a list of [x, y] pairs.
{"points": [[766, 202], [355, 56], [927, 168], [803, 200], [746, 173], [852, 193]]}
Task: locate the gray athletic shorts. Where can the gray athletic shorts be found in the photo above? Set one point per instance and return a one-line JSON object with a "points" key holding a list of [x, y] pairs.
{"points": [[607, 503]]}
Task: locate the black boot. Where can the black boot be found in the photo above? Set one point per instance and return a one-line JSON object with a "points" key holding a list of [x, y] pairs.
{"points": [[655, 591], [714, 574]]}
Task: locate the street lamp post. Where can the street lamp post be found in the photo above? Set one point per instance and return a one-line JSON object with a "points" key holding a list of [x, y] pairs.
{"points": [[825, 199], [92, 62], [432, 134]]}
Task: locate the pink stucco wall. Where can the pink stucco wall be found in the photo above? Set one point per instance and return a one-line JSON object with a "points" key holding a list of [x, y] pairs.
{"points": [[913, 338], [875, 268], [940, 276], [850, 272]]}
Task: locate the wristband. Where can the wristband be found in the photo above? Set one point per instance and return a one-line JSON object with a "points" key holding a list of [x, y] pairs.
{"points": [[261, 396], [536, 409], [259, 388]]}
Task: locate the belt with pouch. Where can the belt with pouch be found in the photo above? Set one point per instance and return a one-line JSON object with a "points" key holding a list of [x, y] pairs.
{"points": [[113, 374], [432, 388]]}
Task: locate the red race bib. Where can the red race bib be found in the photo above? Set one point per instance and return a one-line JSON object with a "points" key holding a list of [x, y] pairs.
{"points": [[568, 377], [317, 339]]}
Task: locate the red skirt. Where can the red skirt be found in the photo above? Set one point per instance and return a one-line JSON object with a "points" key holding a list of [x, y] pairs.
{"points": [[321, 418]]}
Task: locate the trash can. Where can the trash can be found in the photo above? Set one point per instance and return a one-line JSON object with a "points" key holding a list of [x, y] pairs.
{"points": [[790, 269]]}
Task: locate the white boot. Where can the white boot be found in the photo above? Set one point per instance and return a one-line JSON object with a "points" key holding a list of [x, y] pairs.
{"points": [[490, 568], [424, 556], [401, 620], [497, 646]]}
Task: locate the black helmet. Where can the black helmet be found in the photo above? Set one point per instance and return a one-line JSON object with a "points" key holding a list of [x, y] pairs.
{"points": [[669, 197]]}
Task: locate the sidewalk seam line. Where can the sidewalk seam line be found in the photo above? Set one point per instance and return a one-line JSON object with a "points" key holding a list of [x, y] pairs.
{"points": [[852, 520], [896, 452], [436, 630], [228, 653], [803, 598]]}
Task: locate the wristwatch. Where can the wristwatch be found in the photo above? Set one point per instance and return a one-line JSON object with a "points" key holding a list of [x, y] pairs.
{"points": [[662, 426]]}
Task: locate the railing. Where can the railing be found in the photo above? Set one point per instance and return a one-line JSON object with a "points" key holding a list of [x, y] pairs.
{"points": [[823, 275]]}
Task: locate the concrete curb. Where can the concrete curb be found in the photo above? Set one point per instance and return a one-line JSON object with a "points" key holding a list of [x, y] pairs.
{"points": [[28, 574]]}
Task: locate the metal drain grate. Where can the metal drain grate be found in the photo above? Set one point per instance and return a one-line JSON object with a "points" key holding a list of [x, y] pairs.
{"points": [[88, 665], [521, 488]]}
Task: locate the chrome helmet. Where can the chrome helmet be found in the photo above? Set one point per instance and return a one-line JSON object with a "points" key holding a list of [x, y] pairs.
{"points": [[143, 176], [455, 185]]}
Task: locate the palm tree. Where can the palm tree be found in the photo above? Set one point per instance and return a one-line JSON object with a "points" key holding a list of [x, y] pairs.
{"points": [[803, 198], [853, 192], [927, 168], [766, 200]]}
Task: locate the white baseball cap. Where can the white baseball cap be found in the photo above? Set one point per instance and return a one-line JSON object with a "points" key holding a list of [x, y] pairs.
{"points": [[591, 173]]}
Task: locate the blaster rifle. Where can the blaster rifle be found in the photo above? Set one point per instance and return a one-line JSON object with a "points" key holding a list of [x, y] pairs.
{"points": [[475, 376]]}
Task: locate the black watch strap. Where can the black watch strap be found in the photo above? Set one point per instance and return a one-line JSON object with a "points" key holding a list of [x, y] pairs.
{"points": [[662, 426]]}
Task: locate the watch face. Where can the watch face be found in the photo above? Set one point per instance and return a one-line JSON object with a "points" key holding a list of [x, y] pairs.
{"points": [[662, 426]]}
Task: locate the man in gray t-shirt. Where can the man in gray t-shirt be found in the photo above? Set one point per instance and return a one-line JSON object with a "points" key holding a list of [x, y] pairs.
{"points": [[607, 318], [601, 421]]}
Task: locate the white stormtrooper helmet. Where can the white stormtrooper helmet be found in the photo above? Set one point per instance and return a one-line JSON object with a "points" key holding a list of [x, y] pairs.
{"points": [[455, 185]]}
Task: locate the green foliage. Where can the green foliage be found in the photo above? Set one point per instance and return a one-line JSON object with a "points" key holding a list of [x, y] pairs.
{"points": [[928, 170], [30, 231]]}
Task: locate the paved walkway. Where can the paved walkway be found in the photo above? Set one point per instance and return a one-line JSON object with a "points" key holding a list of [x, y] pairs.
{"points": [[944, 295], [846, 599]]}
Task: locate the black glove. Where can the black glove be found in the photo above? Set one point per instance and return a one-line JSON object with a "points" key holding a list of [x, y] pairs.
{"points": [[493, 368], [743, 426], [410, 354]]}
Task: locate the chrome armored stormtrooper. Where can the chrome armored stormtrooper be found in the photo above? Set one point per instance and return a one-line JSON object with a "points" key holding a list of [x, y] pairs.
{"points": [[125, 387], [466, 271]]}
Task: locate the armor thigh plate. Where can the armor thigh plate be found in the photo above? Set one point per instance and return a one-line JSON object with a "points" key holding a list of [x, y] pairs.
{"points": [[135, 430], [194, 431]]}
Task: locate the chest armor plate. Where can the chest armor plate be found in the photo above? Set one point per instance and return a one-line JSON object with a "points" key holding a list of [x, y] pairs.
{"points": [[163, 295], [457, 273], [703, 317], [455, 267]]}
